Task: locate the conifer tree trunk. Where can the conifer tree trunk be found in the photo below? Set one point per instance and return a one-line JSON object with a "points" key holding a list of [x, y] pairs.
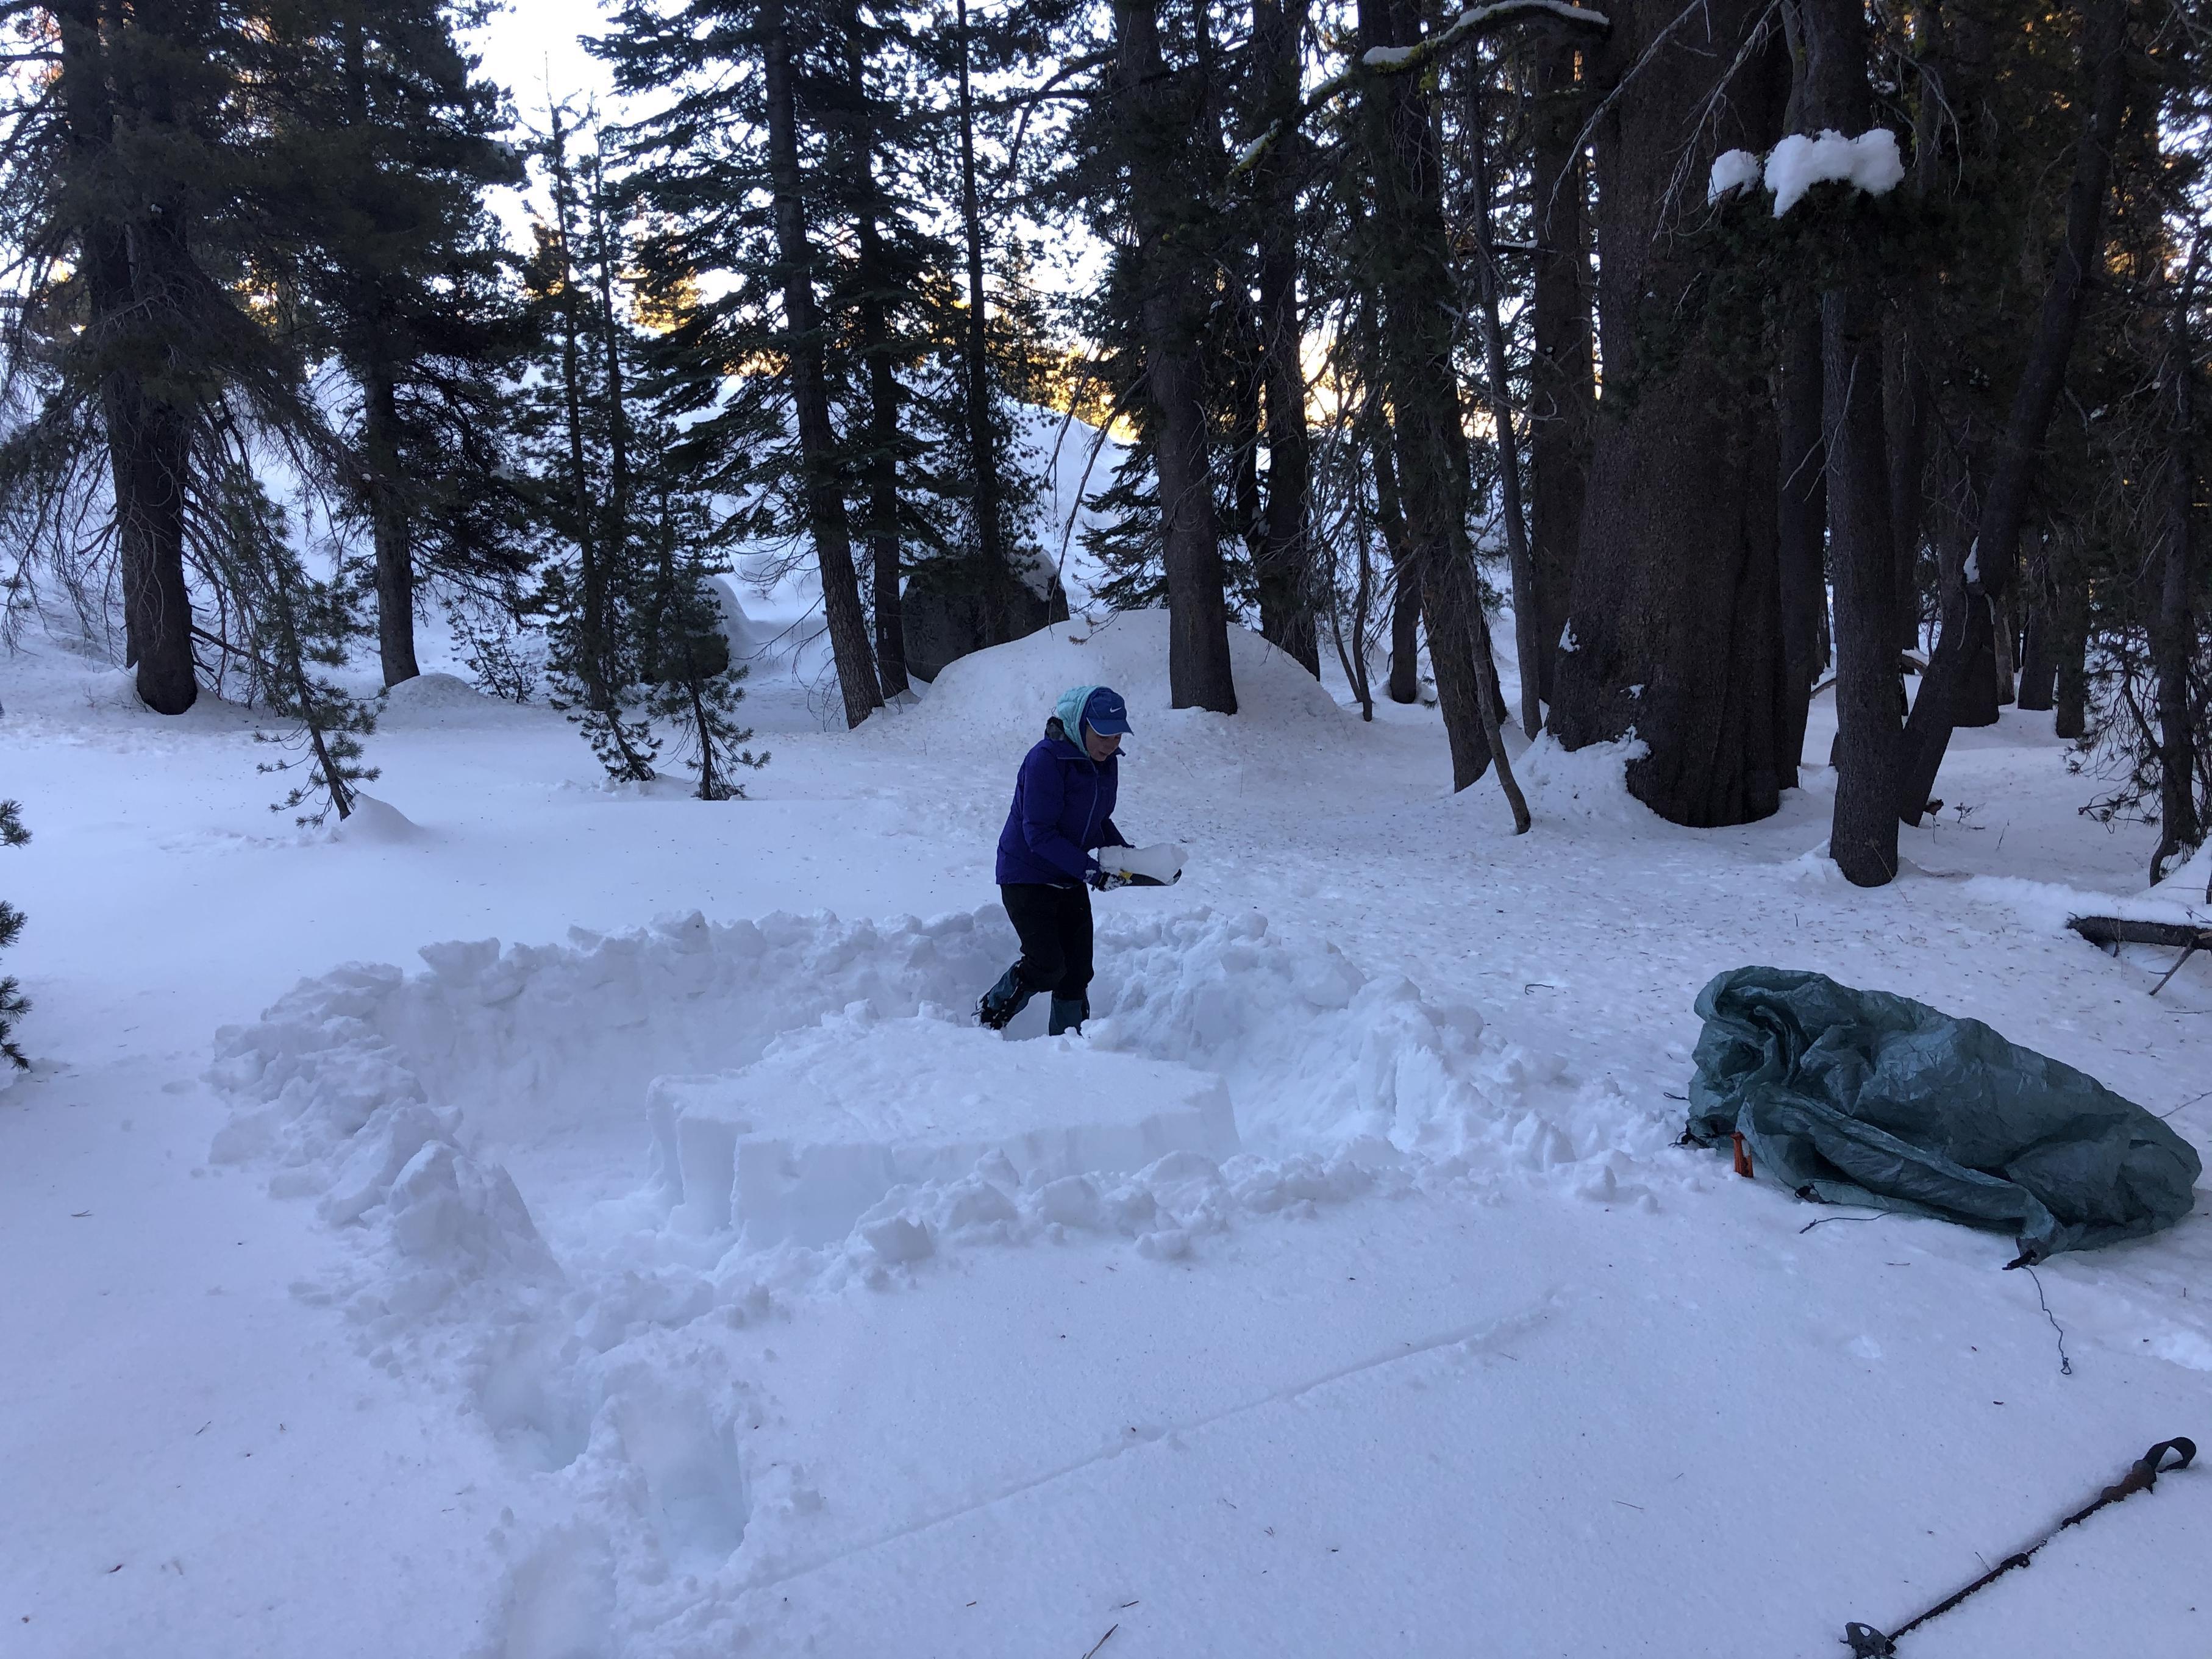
{"points": [[1676, 631], [2071, 626], [998, 575], [1803, 507], [129, 260], [2038, 665], [1955, 663], [826, 520], [1862, 834], [1905, 373], [389, 530], [883, 519], [1527, 627], [1405, 683], [1286, 555], [1562, 382], [1417, 294], [1155, 121], [2173, 626], [388, 526], [2001, 641]]}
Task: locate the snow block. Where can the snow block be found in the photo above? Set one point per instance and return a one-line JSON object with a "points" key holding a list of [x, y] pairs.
{"points": [[800, 1145]]}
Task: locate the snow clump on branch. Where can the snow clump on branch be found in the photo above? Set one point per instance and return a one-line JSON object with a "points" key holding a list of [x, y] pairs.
{"points": [[1733, 169], [1869, 161]]}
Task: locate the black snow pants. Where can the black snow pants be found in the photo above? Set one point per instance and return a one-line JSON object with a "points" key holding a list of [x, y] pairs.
{"points": [[1054, 927]]}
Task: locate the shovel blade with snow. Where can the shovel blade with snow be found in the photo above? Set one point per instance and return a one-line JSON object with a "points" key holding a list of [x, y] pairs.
{"points": [[1159, 866]]}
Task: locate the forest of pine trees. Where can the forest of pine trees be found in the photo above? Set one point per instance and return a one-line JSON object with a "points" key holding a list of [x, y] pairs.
{"points": [[1421, 324]]}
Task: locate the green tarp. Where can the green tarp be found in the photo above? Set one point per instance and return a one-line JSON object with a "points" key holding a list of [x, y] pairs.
{"points": [[1862, 1098]]}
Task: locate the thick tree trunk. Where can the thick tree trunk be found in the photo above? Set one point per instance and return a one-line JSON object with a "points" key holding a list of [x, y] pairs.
{"points": [[1862, 835], [826, 520], [1528, 625], [2173, 628], [1418, 377], [1285, 557], [1801, 533], [1675, 633], [1562, 384], [1171, 226], [1956, 660], [1869, 706], [127, 261], [149, 453]]}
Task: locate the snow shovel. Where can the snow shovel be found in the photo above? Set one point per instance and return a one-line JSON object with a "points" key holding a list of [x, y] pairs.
{"points": [[1142, 867], [1868, 1642]]}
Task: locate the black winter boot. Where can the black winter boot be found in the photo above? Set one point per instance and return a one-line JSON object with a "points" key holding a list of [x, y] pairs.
{"points": [[1004, 1000], [1068, 1014]]}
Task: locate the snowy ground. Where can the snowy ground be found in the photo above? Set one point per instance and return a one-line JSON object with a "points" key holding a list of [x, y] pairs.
{"points": [[398, 1317]]}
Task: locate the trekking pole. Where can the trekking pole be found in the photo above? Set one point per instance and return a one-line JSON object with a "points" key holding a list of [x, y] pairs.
{"points": [[1868, 1642]]}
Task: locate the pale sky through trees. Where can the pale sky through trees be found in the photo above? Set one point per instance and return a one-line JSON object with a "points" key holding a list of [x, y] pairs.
{"points": [[533, 43]]}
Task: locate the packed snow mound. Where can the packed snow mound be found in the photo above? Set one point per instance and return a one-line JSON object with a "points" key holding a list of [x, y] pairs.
{"points": [[750, 640], [438, 699], [1002, 696], [823, 1127], [375, 821], [1590, 782], [2190, 886]]}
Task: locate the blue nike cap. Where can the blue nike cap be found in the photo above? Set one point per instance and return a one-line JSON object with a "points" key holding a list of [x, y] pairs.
{"points": [[1104, 713]]}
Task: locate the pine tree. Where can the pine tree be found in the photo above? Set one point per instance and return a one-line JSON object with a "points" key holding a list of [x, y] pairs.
{"points": [[755, 382], [695, 685], [12, 1004], [296, 629], [388, 147], [580, 426], [130, 182]]}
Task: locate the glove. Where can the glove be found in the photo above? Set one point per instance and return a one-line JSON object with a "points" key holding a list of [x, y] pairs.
{"points": [[1106, 880]]}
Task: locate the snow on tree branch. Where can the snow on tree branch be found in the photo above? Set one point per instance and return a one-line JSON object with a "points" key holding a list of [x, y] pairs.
{"points": [[1869, 161], [1473, 22]]}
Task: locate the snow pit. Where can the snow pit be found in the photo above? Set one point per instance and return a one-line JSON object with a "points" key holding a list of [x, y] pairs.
{"points": [[797, 1145], [613, 1117]]}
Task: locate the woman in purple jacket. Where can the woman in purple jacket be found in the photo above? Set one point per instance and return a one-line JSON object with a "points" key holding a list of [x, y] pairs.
{"points": [[1063, 808]]}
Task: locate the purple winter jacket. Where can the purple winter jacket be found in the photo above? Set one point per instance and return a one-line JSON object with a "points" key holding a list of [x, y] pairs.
{"points": [[1063, 807]]}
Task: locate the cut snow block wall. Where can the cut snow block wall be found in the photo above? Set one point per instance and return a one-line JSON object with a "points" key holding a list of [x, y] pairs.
{"points": [[798, 1146]]}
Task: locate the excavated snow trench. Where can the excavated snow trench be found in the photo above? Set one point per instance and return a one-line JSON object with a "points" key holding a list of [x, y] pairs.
{"points": [[561, 1166]]}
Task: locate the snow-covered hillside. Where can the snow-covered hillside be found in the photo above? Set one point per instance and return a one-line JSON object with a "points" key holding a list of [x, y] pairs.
{"points": [[541, 1221]]}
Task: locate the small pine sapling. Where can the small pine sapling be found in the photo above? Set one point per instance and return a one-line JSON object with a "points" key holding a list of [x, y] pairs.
{"points": [[299, 624], [695, 684], [13, 1003], [594, 673], [489, 639]]}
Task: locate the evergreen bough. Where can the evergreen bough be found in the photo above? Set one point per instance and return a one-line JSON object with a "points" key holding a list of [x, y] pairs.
{"points": [[13, 1003]]}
